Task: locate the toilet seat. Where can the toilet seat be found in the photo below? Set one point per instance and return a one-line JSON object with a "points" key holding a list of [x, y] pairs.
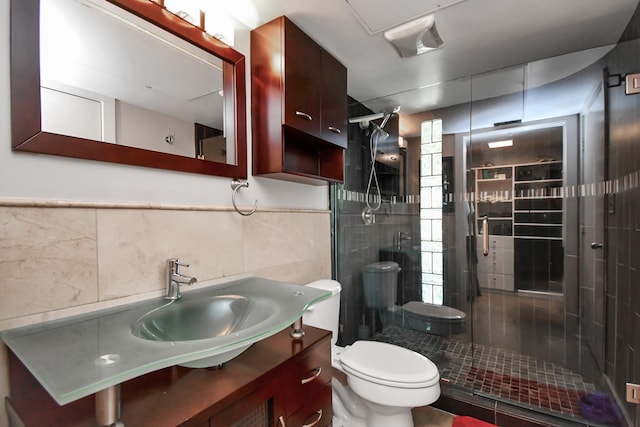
{"points": [[389, 365]]}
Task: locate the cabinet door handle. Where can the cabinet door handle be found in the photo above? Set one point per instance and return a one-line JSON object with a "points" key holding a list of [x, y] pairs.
{"points": [[316, 374], [305, 115], [282, 422], [316, 421], [485, 235], [334, 130]]}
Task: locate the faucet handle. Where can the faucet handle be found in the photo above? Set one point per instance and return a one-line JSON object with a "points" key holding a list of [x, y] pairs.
{"points": [[175, 264]]}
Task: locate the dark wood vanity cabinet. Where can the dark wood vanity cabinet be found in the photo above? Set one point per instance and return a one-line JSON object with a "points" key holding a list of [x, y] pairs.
{"points": [[299, 106], [277, 382]]}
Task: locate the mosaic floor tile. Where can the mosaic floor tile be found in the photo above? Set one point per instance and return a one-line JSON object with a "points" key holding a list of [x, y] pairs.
{"points": [[505, 374]]}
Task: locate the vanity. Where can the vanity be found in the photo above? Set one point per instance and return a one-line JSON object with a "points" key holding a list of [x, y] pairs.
{"points": [[277, 381], [225, 353]]}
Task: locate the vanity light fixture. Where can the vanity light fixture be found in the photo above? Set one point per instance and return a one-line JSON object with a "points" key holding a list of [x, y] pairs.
{"points": [[500, 144], [415, 37]]}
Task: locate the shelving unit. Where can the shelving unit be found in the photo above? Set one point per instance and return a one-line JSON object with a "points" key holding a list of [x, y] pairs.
{"points": [[523, 204], [494, 189]]}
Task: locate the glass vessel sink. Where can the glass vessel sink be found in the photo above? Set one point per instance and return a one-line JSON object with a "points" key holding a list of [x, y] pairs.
{"points": [[81, 355], [199, 319], [189, 319]]}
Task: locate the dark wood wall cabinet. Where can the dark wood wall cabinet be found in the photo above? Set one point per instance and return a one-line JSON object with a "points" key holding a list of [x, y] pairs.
{"points": [[276, 382], [298, 106]]}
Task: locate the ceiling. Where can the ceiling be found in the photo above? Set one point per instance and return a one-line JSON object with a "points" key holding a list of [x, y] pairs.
{"points": [[479, 36]]}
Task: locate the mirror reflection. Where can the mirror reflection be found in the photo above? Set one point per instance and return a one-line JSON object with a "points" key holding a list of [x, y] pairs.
{"points": [[112, 77]]}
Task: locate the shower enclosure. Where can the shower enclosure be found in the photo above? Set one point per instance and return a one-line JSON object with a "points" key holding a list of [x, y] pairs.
{"points": [[496, 202]]}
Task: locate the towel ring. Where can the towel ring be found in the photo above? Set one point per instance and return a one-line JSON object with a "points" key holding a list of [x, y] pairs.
{"points": [[235, 186]]}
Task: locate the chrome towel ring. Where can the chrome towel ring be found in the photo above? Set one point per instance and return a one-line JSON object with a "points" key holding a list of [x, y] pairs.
{"points": [[235, 186]]}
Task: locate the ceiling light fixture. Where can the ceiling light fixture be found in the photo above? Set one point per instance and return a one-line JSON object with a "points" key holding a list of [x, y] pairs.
{"points": [[415, 37], [500, 144]]}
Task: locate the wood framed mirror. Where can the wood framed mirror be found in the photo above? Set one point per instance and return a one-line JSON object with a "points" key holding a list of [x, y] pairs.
{"points": [[167, 79]]}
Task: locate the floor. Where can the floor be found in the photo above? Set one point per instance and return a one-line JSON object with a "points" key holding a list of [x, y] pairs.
{"points": [[500, 373], [431, 417]]}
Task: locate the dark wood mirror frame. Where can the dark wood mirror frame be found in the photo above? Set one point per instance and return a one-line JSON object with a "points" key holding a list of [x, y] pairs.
{"points": [[26, 129]]}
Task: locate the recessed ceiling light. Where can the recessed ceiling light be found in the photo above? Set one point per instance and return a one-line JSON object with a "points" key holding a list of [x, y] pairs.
{"points": [[500, 144]]}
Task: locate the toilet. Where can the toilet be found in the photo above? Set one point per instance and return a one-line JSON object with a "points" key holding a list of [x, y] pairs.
{"points": [[380, 288], [385, 381]]}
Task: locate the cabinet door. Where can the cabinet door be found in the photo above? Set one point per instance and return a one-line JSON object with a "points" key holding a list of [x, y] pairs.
{"points": [[263, 407], [301, 77], [333, 100]]}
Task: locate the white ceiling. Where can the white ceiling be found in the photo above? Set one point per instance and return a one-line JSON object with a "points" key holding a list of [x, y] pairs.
{"points": [[479, 36]]}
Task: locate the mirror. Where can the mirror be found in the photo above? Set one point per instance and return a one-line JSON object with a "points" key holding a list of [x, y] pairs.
{"points": [[166, 95]]}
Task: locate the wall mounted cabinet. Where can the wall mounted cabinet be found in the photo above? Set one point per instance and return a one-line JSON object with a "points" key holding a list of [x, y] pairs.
{"points": [[298, 104]]}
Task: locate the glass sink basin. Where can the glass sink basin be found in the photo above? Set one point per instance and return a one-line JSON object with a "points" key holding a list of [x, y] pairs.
{"points": [[198, 319], [77, 356], [205, 319]]}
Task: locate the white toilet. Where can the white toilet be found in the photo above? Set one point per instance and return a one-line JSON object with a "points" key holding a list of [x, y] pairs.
{"points": [[385, 381]]}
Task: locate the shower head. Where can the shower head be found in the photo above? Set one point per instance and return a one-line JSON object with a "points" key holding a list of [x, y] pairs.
{"points": [[388, 115]]}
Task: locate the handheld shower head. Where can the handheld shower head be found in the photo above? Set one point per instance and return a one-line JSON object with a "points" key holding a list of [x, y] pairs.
{"points": [[388, 115]]}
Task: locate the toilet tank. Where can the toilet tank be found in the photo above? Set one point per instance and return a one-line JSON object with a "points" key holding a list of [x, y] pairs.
{"points": [[326, 313], [380, 283]]}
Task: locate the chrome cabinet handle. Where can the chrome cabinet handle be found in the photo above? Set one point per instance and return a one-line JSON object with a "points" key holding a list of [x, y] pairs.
{"points": [[334, 130], [596, 245], [317, 370], [282, 422], [317, 420], [305, 115], [485, 235]]}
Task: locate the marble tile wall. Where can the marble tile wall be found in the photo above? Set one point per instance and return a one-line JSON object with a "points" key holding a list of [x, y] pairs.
{"points": [[61, 261]]}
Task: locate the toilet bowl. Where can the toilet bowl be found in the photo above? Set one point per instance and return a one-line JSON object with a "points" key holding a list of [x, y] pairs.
{"points": [[430, 318], [380, 284], [385, 381]]}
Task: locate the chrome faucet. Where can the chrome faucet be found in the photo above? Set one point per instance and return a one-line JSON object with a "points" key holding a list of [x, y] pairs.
{"points": [[174, 279], [400, 236]]}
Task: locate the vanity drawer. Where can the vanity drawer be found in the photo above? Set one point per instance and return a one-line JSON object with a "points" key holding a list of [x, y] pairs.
{"points": [[308, 375], [316, 412]]}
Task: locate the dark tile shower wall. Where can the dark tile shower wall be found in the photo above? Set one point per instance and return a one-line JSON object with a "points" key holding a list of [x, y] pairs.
{"points": [[358, 244], [622, 300]]}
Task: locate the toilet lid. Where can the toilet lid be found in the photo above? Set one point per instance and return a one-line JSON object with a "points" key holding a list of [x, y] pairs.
{"points": [[431, 310], [389, 364]]}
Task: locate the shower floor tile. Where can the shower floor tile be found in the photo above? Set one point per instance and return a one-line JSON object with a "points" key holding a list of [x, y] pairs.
{"points": [[500, 373]]}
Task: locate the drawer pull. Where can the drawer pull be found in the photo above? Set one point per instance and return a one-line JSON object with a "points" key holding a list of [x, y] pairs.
{"points": [[335, 130], [305, 115], [315, 375], [281, 420], [316, 421]]}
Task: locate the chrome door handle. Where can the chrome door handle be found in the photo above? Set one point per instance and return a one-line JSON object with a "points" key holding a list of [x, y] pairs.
{"points": [[485, 235], [312, 377], [596, 245], [305, 115], [316, 421], [334, 130]]}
